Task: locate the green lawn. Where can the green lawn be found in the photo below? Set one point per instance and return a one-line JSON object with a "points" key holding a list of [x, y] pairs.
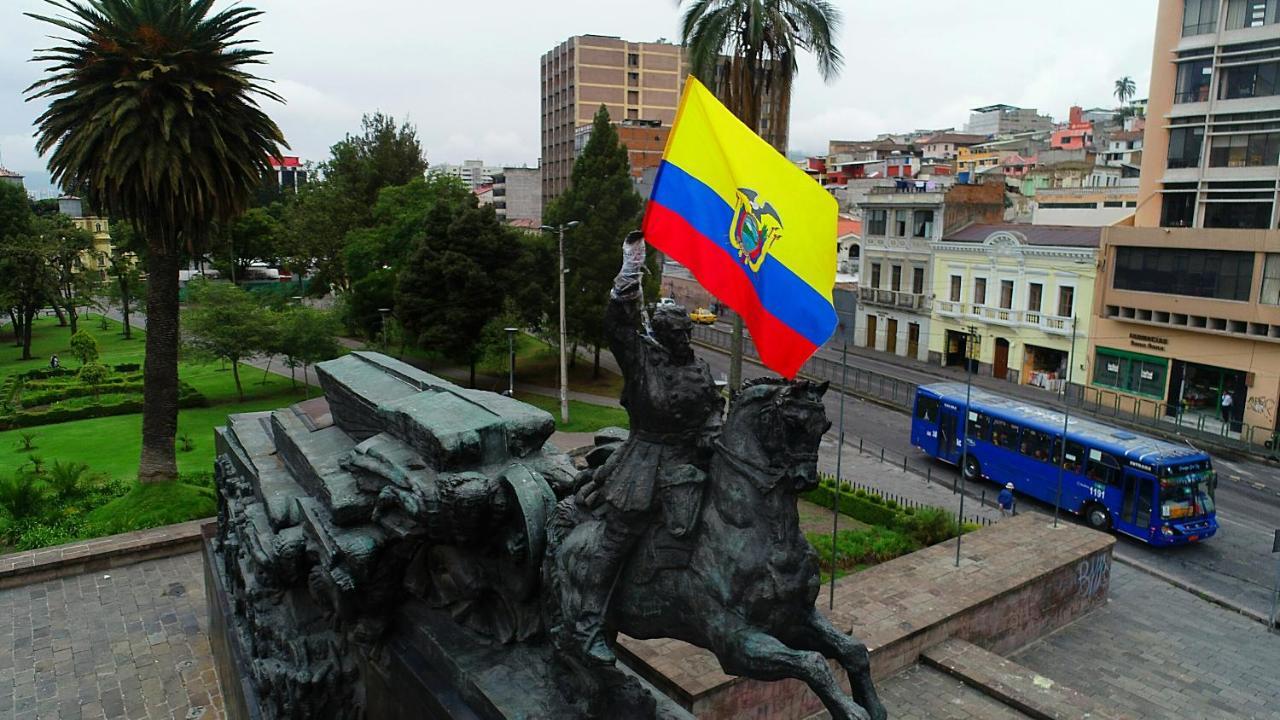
{"points": [[583, 417], [110, 446]]}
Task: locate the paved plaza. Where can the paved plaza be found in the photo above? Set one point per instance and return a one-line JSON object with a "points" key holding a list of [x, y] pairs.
{"points": [[128, 642], [1159, 652]]}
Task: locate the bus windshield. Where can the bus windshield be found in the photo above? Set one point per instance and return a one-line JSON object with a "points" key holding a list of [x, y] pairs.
{"points": [[1186, 496]]}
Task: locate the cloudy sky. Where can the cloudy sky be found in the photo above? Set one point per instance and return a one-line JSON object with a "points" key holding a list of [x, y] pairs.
{"points": [[466, 72]]}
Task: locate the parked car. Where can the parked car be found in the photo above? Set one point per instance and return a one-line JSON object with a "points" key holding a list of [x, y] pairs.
{"points": [[702, 316], [666, 302]]}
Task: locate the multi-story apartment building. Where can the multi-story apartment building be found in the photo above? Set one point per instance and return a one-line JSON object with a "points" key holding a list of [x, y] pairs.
{"points": [[895, 281], [645, 141], [1006, 120], [517, 195], [290, 171], [97, 258], [634, 81], [1026, 292], [944, 146], [472, 173], [1188, 301]]}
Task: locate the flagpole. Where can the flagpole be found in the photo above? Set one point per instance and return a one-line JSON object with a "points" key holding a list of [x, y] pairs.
{"points": [[835, 497]]}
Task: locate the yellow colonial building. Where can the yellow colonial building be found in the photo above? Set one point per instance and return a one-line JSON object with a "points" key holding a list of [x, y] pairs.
{"points": [[1021, 291], [97, 259]]}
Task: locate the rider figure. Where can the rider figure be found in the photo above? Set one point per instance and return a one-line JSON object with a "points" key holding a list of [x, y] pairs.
{"points": [[675, 411]]}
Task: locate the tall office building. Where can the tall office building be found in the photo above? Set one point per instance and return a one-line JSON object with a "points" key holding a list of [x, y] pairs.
{"points": [[1188, 298], [639, 83], [635, 81]]}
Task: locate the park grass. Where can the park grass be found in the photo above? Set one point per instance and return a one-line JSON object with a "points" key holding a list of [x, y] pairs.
{"points": [[111, 446], [583, 417], [153, 505]]}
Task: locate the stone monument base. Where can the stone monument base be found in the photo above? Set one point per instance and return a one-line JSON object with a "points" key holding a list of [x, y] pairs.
{"points": [[430, 667]]}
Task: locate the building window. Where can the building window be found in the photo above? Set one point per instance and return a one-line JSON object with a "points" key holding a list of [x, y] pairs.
{"points": [[875, 275], [1251, 13], [1130, 372], [1247, 81], [633, 114], [917, 280], [1066, 301], [633, 97], [1271, 280], [1199, 16], [979, 291], [1184, 146], [895, 278], [1006, 294], [899, 223], [633, 59], [1177, 209], [876, 220], [1034, 291], [955, 288], [923, 224], [1193, 81], [1218, 274], [1239, 215], [633, 79]]}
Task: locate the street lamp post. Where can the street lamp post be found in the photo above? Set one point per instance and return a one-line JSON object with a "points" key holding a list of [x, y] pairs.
{"points": [[564, 362], [511, 363], [383, 313]]}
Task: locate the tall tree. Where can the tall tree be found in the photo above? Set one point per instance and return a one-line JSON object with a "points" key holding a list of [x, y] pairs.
{"points": [[249, 238], [1125, 88], [747, 51], [603, 199], [225, 322], [153, 109], [126, 284], [457, 282], [67, 245], [383, 154], [16, 219]]}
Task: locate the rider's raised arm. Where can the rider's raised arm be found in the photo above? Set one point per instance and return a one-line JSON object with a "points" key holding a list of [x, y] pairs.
{"points": [[622, 321]]}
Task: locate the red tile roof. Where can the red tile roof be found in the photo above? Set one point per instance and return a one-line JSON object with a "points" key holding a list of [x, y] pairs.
{"points": [[848, 226]]}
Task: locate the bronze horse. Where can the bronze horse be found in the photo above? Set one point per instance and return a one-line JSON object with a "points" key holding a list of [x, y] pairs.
{"points": [[744, 586]]}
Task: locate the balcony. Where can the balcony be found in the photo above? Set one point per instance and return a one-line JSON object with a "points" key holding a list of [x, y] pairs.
{"points": [[894, 298], [951, 308]]}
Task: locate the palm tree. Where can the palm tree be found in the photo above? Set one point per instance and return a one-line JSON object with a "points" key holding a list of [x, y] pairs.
{"points": [[1125, 88], [746, 51], [153, 109]]}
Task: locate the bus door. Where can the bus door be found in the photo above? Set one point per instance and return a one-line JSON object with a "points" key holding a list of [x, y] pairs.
{"points": [[1136, 504], [949, 433]]}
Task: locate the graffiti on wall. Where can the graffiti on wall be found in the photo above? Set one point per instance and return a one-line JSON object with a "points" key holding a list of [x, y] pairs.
{"points": [[1263, 406], [1093, 574]]}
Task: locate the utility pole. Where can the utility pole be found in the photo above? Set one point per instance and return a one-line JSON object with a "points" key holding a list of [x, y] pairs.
{"points": [[564, 335], [835, 497], [1066, 415], [1275, 596], [970, 343]]}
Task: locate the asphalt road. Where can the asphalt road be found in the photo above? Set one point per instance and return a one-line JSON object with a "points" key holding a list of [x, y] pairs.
{"points": [[1236, 564]]}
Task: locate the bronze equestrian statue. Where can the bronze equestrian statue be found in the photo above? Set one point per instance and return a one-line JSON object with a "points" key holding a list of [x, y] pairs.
{"points": [[690, 530]]}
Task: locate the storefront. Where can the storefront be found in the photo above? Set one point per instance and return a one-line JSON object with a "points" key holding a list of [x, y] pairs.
{"points": [[1197, 389], [1044, 367], [1130, 372]]}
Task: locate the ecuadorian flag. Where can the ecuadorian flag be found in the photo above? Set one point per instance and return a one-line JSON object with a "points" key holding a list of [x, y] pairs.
{"points": [[756, 231]]}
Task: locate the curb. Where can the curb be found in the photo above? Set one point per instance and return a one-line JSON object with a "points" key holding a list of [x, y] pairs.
{"points": [[59, 561], [1196, 590]]}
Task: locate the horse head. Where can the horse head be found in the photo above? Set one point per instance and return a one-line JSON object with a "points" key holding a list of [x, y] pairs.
{"points": [[776, 426]]}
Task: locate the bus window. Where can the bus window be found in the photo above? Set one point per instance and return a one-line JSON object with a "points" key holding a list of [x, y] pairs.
{"points": [[927, 409], [979, 426], [1104, 468], [1004, 434], [1039, 445], [1074, 461]]}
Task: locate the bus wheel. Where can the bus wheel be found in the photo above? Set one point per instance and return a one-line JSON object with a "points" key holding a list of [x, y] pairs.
{"points": [[1097, 517], [972, 468]]}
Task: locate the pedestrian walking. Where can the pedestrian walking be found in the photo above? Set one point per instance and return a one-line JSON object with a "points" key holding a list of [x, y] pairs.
{"points": [[1006, 500], [54, 362], [1226, 403]]}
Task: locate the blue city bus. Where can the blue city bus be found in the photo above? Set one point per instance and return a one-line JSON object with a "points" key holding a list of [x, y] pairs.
{"points": [[1159, 492]]}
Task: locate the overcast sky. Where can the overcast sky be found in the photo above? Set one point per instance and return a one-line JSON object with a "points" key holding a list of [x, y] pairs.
{"points": [[466, 73]]}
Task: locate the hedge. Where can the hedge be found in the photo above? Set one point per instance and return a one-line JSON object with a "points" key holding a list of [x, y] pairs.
{"points": [[187, 397], [927, 526], [860, 508]]}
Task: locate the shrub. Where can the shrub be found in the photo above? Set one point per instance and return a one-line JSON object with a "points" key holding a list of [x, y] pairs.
{"points": [[187, 443], [94, 374], [84, 347], [67, 479], [37, 534], [22, 495], [27, 441], [929, 526]]}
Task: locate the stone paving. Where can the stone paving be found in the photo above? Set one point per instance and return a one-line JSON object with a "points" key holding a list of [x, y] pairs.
{"points": [[1159, 652], [922, 693], [127, 642]]}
